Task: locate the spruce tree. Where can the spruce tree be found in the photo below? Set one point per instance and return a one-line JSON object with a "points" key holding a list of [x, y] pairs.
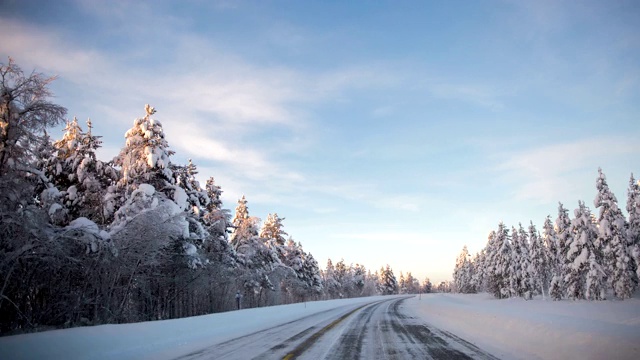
{"points": [[145, 156], [500, 268], [388, 281], [540, 265], [613, 239], [579, 250], [633, 237]]}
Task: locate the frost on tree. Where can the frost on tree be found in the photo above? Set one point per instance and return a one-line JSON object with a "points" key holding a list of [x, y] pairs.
{"points": [[613, 239], [388, 282], [25, 113], [519, 279], [500, 264], [580, 249], [633, 237], [331, 285], [540, 261], [145, 156], [563, 236], [273, 234], [463, 273], [83, 180], [258, 260]]}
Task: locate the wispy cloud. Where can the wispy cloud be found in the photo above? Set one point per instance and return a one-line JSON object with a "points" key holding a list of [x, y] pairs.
{"points": [[548, 173], [45, 50]]}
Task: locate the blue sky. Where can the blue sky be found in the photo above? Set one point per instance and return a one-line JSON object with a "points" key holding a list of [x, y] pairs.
{"points": [[384, 132]]}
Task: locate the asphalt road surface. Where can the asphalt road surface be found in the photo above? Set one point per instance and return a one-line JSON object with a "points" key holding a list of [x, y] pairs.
{"points": [[378, 330]]}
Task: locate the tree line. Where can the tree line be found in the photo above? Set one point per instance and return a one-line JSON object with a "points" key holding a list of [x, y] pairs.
{"points": [[85, 241], [590, 256]]}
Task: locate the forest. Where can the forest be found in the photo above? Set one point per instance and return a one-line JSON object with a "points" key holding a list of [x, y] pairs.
{"points": [[85, 241], [590, 256]]}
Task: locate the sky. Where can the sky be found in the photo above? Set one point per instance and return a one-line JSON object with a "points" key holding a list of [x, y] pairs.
{"points": [[384, 132]]}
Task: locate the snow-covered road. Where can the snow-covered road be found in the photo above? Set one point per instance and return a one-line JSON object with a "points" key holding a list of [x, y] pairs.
{"points": [[375, 330], [379, 327]]}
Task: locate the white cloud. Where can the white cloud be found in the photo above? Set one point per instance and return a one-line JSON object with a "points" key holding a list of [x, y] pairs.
{"points": [[550, 173], [45, 50]]}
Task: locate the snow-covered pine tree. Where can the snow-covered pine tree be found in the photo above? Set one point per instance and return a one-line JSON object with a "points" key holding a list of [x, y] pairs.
{"points": [[491, 278], [145, 156], [516, 273], [311, 274], [402, 285], [462, 274], [388, 281], [526, 285], [540, 266], [563, 236], [613, 239], [478, 271], [216, 219], [359, 279], [243, 227], [580, 248], [197, 198], [331, 284], [75, 170], [595, 282], [293, 256], [500, 268], [633, 237], [412, 284], [273, 234]]}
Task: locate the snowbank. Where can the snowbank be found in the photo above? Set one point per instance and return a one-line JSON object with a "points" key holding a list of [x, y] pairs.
{"points": [[537, 329]]}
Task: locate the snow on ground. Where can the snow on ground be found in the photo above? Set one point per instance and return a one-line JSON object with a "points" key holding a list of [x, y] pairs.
{"points": [[158, 339], [509, 329], [537, 329]]}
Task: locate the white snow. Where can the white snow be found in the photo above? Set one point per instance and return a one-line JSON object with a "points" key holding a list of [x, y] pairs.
{"points": [[149, 190], [509, 329], [536, 329], [54, 208], [158, 339], [180, 197], [84, 224]]}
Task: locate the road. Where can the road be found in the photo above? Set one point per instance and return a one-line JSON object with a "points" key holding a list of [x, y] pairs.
{"points": [[377, 330]]}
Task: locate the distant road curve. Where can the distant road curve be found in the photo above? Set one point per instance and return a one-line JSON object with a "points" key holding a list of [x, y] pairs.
{"points": [[377, 330]]}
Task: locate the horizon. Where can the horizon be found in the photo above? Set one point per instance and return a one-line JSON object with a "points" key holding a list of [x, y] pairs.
{"points": [[384, 134]]}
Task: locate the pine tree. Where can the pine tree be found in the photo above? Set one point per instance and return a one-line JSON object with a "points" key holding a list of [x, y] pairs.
{"points": [[526, 283], [578, 255], [244, 228], [273, 235], [331, 285], [82, 179], [613, 238], [311, 274], [633, 237], [563, 236], [462, 274], [412, 284], [216, 219], [388, 281], [145, 156], [595, 283], [539, 260], [500, 263], [359, 279]]}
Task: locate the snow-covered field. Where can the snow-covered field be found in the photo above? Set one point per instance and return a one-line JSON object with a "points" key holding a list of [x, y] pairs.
{"points": [[509, 329], [536, 329]]}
